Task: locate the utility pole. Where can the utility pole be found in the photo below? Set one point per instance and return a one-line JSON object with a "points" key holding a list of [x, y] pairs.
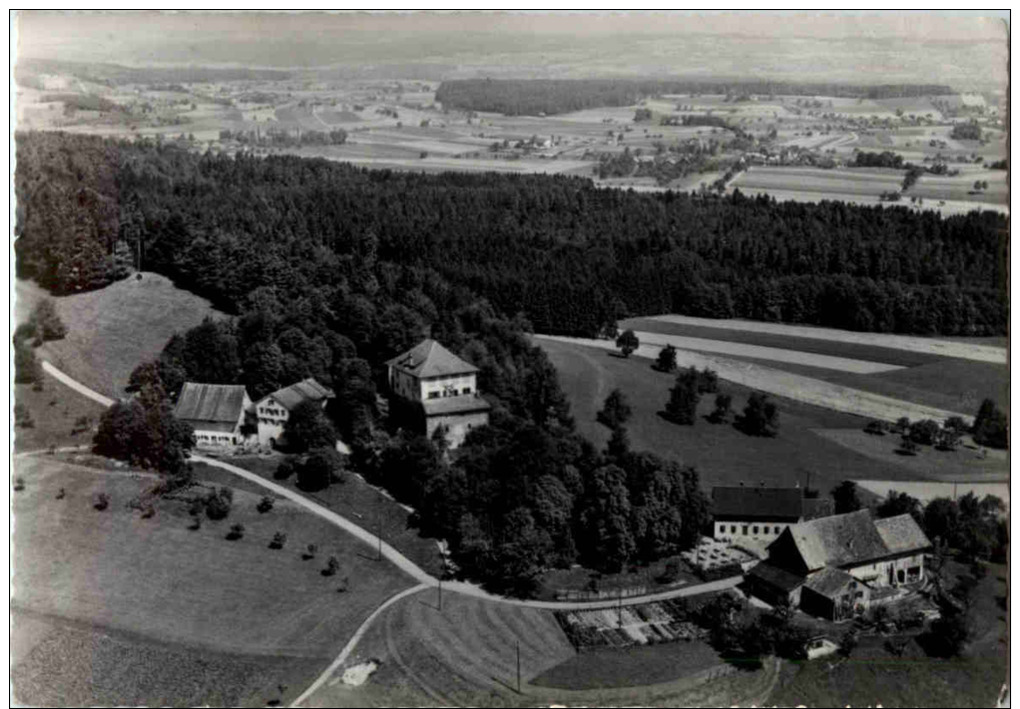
{"points": [[518, 666]]}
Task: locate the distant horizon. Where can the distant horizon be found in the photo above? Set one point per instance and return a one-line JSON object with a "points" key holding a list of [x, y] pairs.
{"points": [[893, 47]]}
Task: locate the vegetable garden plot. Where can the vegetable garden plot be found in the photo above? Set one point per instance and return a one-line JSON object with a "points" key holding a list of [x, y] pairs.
{"points": [[647, 624]]}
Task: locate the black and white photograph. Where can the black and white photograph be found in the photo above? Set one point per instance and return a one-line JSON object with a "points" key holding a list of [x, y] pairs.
{"points": [[509, 358]]}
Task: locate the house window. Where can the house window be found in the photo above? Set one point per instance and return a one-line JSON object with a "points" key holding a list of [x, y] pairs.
{"points": [[764, 530], [467, 390], [433, 394], [755, 529], [745, 530], [733, 529]]}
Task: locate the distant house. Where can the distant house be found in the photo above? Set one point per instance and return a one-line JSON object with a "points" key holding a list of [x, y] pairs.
{"points": [[760, 514], [833, 566], [274, 409], [216, 411], [445, 386]]}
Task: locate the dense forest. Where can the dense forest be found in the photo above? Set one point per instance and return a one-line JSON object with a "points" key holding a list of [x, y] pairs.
{"points": [[571, 257], [515, 97]]}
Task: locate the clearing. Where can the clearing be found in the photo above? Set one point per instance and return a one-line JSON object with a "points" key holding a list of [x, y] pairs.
{"points": [[126, 599], [112, 330], [798, 387], [722, 454]]}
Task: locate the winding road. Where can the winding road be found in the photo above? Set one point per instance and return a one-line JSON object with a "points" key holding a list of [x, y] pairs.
{"points": [[422, 578]]}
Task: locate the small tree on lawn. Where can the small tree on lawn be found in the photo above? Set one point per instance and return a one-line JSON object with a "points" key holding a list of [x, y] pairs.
{"points": [[47, 323], [924, 432], [615, 411], [991, 426], [627, 342], [761, 416], [265, 504], [279, 539], [332, 566], [876, 427], [682, 406], [236, 532], [901, 426], [721, 412], [708, 381], [908, 446], [666, 361]]}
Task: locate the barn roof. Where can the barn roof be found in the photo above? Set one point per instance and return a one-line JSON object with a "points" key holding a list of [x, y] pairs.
{"points": [[210, 403], [430, 359], [902, 534], [785, 503], [451, 405], [775, 576], [839, 540], [828, 582], [305, 390]]}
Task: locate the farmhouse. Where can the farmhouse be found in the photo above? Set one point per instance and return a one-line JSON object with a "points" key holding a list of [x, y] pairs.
{"points": [[274, 409], [836, 566], [444, 385], [751, 515], [217, 412]]}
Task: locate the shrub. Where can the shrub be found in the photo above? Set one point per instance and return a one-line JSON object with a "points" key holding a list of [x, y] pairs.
{"points": [[310, 551], [196, 523], [284, 470], [682, 406], [322, 467], [279, 539], [102, 501], [332, 566], [148, 512], [721, 413], [615, 411], [627, 342], [217, 504], [761, 416], [924, 432], [907, 446], [61, 494], [666, 361], [265, 504], [19, 484], [236, 532], [876, 428], [708, 381]]}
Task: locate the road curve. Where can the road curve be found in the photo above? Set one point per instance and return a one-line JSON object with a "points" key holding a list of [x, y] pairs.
{"points": [[393, 555]]}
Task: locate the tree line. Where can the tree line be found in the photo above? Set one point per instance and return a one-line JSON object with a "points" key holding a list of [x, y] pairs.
{"points": [[535, 96]]}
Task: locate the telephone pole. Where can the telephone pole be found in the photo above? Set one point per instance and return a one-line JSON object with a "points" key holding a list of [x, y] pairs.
{"points": [[518, 666]]}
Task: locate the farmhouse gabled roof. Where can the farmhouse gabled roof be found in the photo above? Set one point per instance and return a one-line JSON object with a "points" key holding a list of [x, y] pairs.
{"points": [[780, 503], [430, 359], [305, 390], [902, 534], [839, 540], [855, 538], [210, 403]]}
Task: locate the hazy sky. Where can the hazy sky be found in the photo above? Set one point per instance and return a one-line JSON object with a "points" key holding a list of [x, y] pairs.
{"points": [[308, 39]]}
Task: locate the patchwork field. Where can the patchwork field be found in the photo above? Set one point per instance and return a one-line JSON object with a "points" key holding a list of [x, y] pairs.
{"points": [[995, 352], [112, 330], [126, 599]]}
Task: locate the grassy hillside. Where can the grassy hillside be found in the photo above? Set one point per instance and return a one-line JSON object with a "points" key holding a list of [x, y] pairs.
{"points": [[122, 598], [111, 330], [722, 454], [55, 411]]}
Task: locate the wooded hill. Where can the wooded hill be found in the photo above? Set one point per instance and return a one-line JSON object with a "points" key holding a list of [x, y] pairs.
{"points": [[514, 97], [571, 257]]}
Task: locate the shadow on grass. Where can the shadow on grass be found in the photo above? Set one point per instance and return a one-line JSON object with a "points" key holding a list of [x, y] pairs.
{"points": [[618, 355]]}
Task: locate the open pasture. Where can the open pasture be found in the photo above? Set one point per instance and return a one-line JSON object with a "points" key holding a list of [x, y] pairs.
{"points": [[112, 330], [722, 454], [167, 588]]}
